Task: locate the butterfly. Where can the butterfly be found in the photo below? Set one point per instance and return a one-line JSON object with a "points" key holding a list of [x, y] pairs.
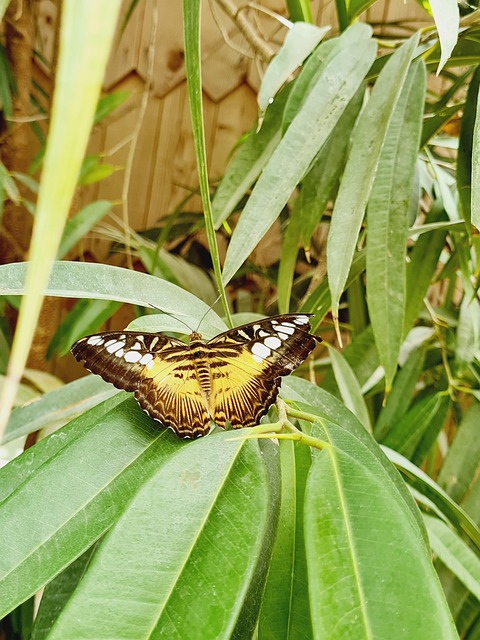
{"points": [[233, 378]]}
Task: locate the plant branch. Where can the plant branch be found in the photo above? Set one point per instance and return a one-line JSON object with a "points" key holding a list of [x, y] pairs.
{"points": [[243, 24]]}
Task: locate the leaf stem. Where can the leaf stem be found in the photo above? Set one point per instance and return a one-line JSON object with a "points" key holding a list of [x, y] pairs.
{"points": [[191, 12]]}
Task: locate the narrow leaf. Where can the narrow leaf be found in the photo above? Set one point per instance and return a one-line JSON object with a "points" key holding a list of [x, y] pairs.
{"points": [[447, 20], [301, 142], [388, 209], [367, 142], [86, 35], [401, 395], [299, 43], [454, 553], [349, 387], [461, 462]]}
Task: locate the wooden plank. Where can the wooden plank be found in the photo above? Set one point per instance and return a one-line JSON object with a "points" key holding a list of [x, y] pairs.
{"points": [[124, 54]]}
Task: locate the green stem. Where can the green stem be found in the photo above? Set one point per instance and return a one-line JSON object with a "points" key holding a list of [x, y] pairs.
{"points": [[191, 22]]}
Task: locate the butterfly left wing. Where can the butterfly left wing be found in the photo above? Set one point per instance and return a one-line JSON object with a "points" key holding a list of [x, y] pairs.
{"points": [[123, 357], [247, 364], [157, 369]]}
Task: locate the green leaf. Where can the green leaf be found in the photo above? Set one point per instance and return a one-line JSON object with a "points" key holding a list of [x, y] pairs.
{"points": [[212, 510], [299, 43], [249, 160], [401, 395], [107, 104], [355, 547], [454, 553], [85, 37], [447, 20], [475, 210], [57, 407], [299, 10], [423, 421], [86, 317], [81, 223], [465, 148], [461, 462], [468, 332], [303, 139], [367, 141], [75, 495], [57, 593], [93, 170], [319, 301], [193, 69], [431, 490], [285, 609], [421, 267], [105, 282], [326, 405], [319, 184], [349, 387], [388, 209]]}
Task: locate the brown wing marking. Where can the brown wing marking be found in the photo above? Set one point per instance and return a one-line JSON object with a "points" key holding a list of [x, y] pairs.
{"points": [[123, 357], [170, 393], [247, 366]]}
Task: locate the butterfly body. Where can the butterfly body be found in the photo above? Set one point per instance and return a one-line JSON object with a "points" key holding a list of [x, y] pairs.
{"points": [[233, 378]]}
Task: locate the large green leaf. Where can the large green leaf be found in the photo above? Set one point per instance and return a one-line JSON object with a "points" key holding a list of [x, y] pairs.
{"points": [[303, 139], [285, 607], [57, 407], [363, 539], [367, 141], [105, 282], [189, 555], [65, 492]]}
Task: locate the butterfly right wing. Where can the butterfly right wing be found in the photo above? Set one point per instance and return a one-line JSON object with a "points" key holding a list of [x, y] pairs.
{"points": [[157, 369]]}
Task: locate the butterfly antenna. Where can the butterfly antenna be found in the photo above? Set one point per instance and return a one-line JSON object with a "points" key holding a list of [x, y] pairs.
{"points": [[167, 313], [207, 312]]}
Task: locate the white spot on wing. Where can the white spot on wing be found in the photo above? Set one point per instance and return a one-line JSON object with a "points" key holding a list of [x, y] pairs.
{"points": [[261, 351], [263, 334], [132, 356], [146, 359], [115, 346], [272, 342], [286, 328], [244, 334], [282, 336], [112, 341], [137, 345], [153, 342], [95, 340], [301, 320], [119, 353]]}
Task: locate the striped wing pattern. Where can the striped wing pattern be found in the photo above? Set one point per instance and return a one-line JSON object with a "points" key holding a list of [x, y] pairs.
{"points": [[233, 378]]}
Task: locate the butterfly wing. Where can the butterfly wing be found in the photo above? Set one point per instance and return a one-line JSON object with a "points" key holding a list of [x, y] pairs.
{"points": [[157, 369], [247, 364]]}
